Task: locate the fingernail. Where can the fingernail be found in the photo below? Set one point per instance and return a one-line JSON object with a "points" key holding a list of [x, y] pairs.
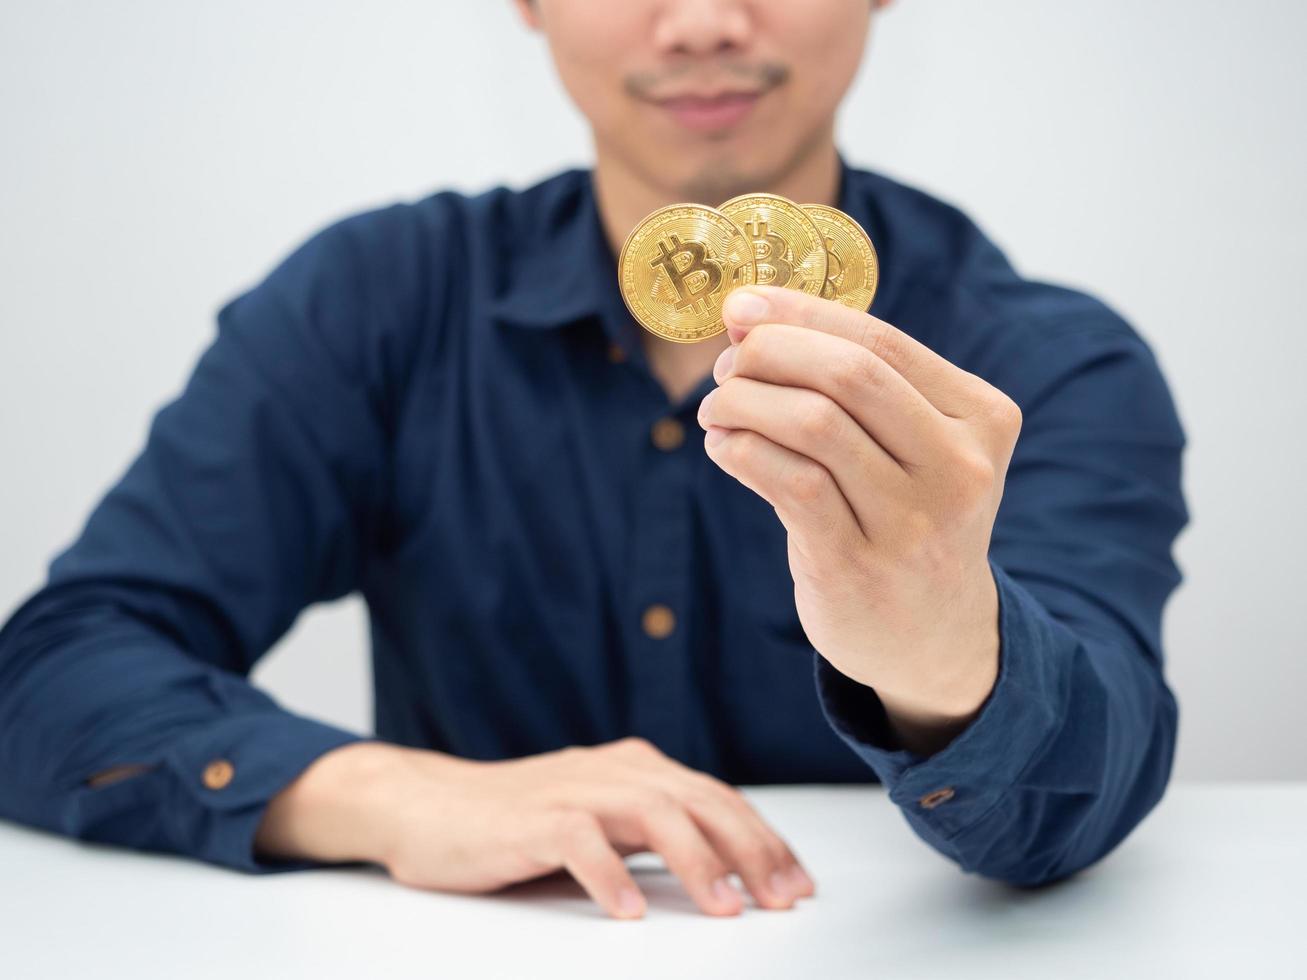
{"points": [[724, 891], [780, 885], [703, 405], [630, 902], [802, 883], [722, 367], [743, 306], [715, 435]]}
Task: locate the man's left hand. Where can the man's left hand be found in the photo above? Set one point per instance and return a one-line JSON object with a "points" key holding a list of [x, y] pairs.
{"points": [[885, 463]]}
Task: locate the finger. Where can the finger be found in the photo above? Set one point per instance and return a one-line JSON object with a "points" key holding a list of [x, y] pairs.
{"points": [[765, 863], [686, 851], [691, 785], [802, 491], [948, 387], [813, 425], [789, 860], [639, 813], [877, 397], [735, 830], [576, 841]]}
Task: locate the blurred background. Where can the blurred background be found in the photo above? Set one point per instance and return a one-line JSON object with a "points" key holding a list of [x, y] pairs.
{"points": [[160, 157]]}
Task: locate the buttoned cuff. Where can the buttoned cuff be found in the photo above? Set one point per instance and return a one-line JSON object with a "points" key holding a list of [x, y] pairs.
{"points": [[226, 773], [945, 793]]}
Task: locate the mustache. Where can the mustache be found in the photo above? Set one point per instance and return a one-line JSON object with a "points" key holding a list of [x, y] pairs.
{"points": [[654, 85]]}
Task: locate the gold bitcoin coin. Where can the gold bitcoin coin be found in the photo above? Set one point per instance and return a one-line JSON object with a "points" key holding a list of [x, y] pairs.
{"points": [[852, 267], [788, 247], [677, 266]]}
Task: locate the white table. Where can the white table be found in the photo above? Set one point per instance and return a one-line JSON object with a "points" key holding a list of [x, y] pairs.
{"points": [[1210, 885]]}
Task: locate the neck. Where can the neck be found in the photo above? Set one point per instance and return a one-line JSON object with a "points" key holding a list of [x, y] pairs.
{"points": [[625, 194]]}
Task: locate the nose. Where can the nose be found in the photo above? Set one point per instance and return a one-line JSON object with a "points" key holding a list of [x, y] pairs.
{"points": [[703, 27]]}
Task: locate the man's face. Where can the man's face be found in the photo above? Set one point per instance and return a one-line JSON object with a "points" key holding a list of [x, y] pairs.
{"points": [[706, 98]]}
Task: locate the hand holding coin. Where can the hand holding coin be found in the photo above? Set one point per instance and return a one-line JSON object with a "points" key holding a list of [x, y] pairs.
{"points": [[885, 463]]}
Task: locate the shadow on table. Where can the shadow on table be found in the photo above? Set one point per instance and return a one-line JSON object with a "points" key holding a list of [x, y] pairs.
{"points": [[944, 905], [560, 892], [956, 918]]}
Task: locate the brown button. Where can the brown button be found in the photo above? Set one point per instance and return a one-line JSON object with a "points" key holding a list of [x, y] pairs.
{"points": [[616, 353], [667, 434], [658, 621], [932, 800], [218, 773]]}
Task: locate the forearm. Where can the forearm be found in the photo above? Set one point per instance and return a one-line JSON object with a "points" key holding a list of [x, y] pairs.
{"points": [[1069, 753], [1098, 774], [111, 731]]}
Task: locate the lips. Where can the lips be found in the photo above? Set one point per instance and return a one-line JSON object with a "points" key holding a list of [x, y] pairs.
{"points": [[706, 113]]}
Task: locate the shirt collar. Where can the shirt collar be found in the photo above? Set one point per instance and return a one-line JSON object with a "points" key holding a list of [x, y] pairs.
{"points": [[565, 267], [566, 271]]}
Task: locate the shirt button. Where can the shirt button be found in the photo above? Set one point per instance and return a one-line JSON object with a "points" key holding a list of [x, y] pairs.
{"points": [[658, 621], [934, 799], [218, 773], [667, 434], [616, 353]]}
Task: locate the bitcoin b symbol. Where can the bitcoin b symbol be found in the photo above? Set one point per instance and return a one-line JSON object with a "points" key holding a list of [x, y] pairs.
{"points": [[695, 276], [770, 252]]}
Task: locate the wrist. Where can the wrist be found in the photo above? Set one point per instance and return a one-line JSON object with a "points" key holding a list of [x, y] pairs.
{"points": [[927, 724], [929, 714], [336, 809]]}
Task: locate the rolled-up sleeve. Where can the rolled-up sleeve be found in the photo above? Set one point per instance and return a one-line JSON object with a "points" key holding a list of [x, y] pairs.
{"points": [[126, 715], [1074, 744]]}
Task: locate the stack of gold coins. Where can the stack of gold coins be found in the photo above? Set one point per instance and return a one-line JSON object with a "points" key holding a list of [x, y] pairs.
{"points": [[678, 264]]}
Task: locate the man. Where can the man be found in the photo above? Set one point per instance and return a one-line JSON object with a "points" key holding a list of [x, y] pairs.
{"points": [[929, 546]]}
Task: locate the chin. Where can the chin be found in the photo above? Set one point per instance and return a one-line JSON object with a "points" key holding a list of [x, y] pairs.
{"points": [[722, 176]]}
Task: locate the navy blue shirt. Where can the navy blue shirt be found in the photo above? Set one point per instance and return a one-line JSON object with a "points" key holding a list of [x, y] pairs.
{"points": [[443, 405]]}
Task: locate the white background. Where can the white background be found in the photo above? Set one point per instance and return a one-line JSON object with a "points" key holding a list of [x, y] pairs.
{"points": [[159, 156]]}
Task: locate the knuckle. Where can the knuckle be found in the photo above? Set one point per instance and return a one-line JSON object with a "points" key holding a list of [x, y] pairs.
{"points": [[712, 786], [971, 479], [820, 422], [807, 482], [857, 373], [741, 802], [575, 825], [699, 801], [637, 744], [571, 753], [885, 343], [656, 801], [1006, 414], [918, 529], [742, 448], [976, 473]]}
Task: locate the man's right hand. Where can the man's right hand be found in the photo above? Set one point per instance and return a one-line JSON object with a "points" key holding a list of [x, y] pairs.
{"points": [[437, 821]]}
